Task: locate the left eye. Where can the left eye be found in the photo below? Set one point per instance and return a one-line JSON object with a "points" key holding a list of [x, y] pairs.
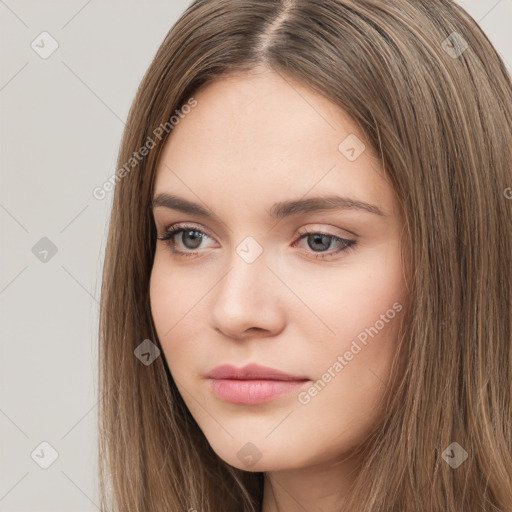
{"points": [[319, 242], [191, 239]]}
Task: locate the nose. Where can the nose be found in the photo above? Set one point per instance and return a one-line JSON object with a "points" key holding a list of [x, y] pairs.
{"points": [[248, 300]]}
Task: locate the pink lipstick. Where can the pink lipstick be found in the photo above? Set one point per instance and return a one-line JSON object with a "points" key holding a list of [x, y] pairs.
{"points": [[253, 384]]}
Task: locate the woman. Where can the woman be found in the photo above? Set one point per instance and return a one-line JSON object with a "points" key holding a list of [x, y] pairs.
{"points": [[306, 298]]}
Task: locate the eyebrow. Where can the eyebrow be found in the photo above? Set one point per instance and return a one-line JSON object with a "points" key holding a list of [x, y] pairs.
{"points": [[278, 210]]}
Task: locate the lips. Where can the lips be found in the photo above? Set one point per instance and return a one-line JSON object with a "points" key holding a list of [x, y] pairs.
{"points": [[252, 372], [253, 384]]}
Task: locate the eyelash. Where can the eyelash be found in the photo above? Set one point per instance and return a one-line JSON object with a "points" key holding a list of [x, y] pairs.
{"points": [[175, 229]]}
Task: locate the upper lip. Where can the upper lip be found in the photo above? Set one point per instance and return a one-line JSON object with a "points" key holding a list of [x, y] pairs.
{"points": [[250, 372]]}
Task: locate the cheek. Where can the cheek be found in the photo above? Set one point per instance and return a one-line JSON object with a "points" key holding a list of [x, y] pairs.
{"points": [[166, 304], [354, 296], [177, 303], [362, 304], [172, 292]]}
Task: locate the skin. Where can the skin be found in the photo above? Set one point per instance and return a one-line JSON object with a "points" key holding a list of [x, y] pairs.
{"points": [[253, 140]]}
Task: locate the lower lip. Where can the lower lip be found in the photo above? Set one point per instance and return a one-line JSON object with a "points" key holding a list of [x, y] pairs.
{"points": [[251, 392]]}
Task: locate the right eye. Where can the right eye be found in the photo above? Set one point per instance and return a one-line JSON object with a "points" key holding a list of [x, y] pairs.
{"points": [[190, 238]]}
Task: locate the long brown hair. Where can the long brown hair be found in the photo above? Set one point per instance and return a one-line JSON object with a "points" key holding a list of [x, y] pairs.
{"points": [[434, 99]]}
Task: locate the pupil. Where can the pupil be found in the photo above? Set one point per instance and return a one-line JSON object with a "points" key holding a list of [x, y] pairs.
{"points": [[322, 238], [195, 243]]}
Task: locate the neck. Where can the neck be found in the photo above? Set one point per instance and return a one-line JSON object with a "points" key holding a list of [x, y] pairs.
{"points": [[322, 487]]}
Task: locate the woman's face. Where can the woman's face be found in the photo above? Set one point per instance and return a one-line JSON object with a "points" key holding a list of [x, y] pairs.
{"points": [[245, 284]]}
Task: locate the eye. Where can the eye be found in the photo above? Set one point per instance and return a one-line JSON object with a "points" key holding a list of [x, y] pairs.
{"points": [[319, 242], [191, 239]]}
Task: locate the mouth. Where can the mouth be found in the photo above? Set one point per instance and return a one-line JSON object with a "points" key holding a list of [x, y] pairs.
{"points": [[252, 392], [252, 384]]}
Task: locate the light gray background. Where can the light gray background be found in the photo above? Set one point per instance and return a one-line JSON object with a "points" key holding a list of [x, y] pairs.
{"points": [[61, 123]]}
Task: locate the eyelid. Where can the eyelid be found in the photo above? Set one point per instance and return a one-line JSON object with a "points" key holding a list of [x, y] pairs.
{"points": [[168, 227], [313, 228]]}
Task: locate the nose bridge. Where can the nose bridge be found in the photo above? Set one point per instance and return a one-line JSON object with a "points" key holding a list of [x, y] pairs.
{"points": [[244, 297], [249, 250], [247, 265]]}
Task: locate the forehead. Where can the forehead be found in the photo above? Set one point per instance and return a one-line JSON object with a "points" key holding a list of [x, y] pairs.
{"points": [[259, 136]]}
